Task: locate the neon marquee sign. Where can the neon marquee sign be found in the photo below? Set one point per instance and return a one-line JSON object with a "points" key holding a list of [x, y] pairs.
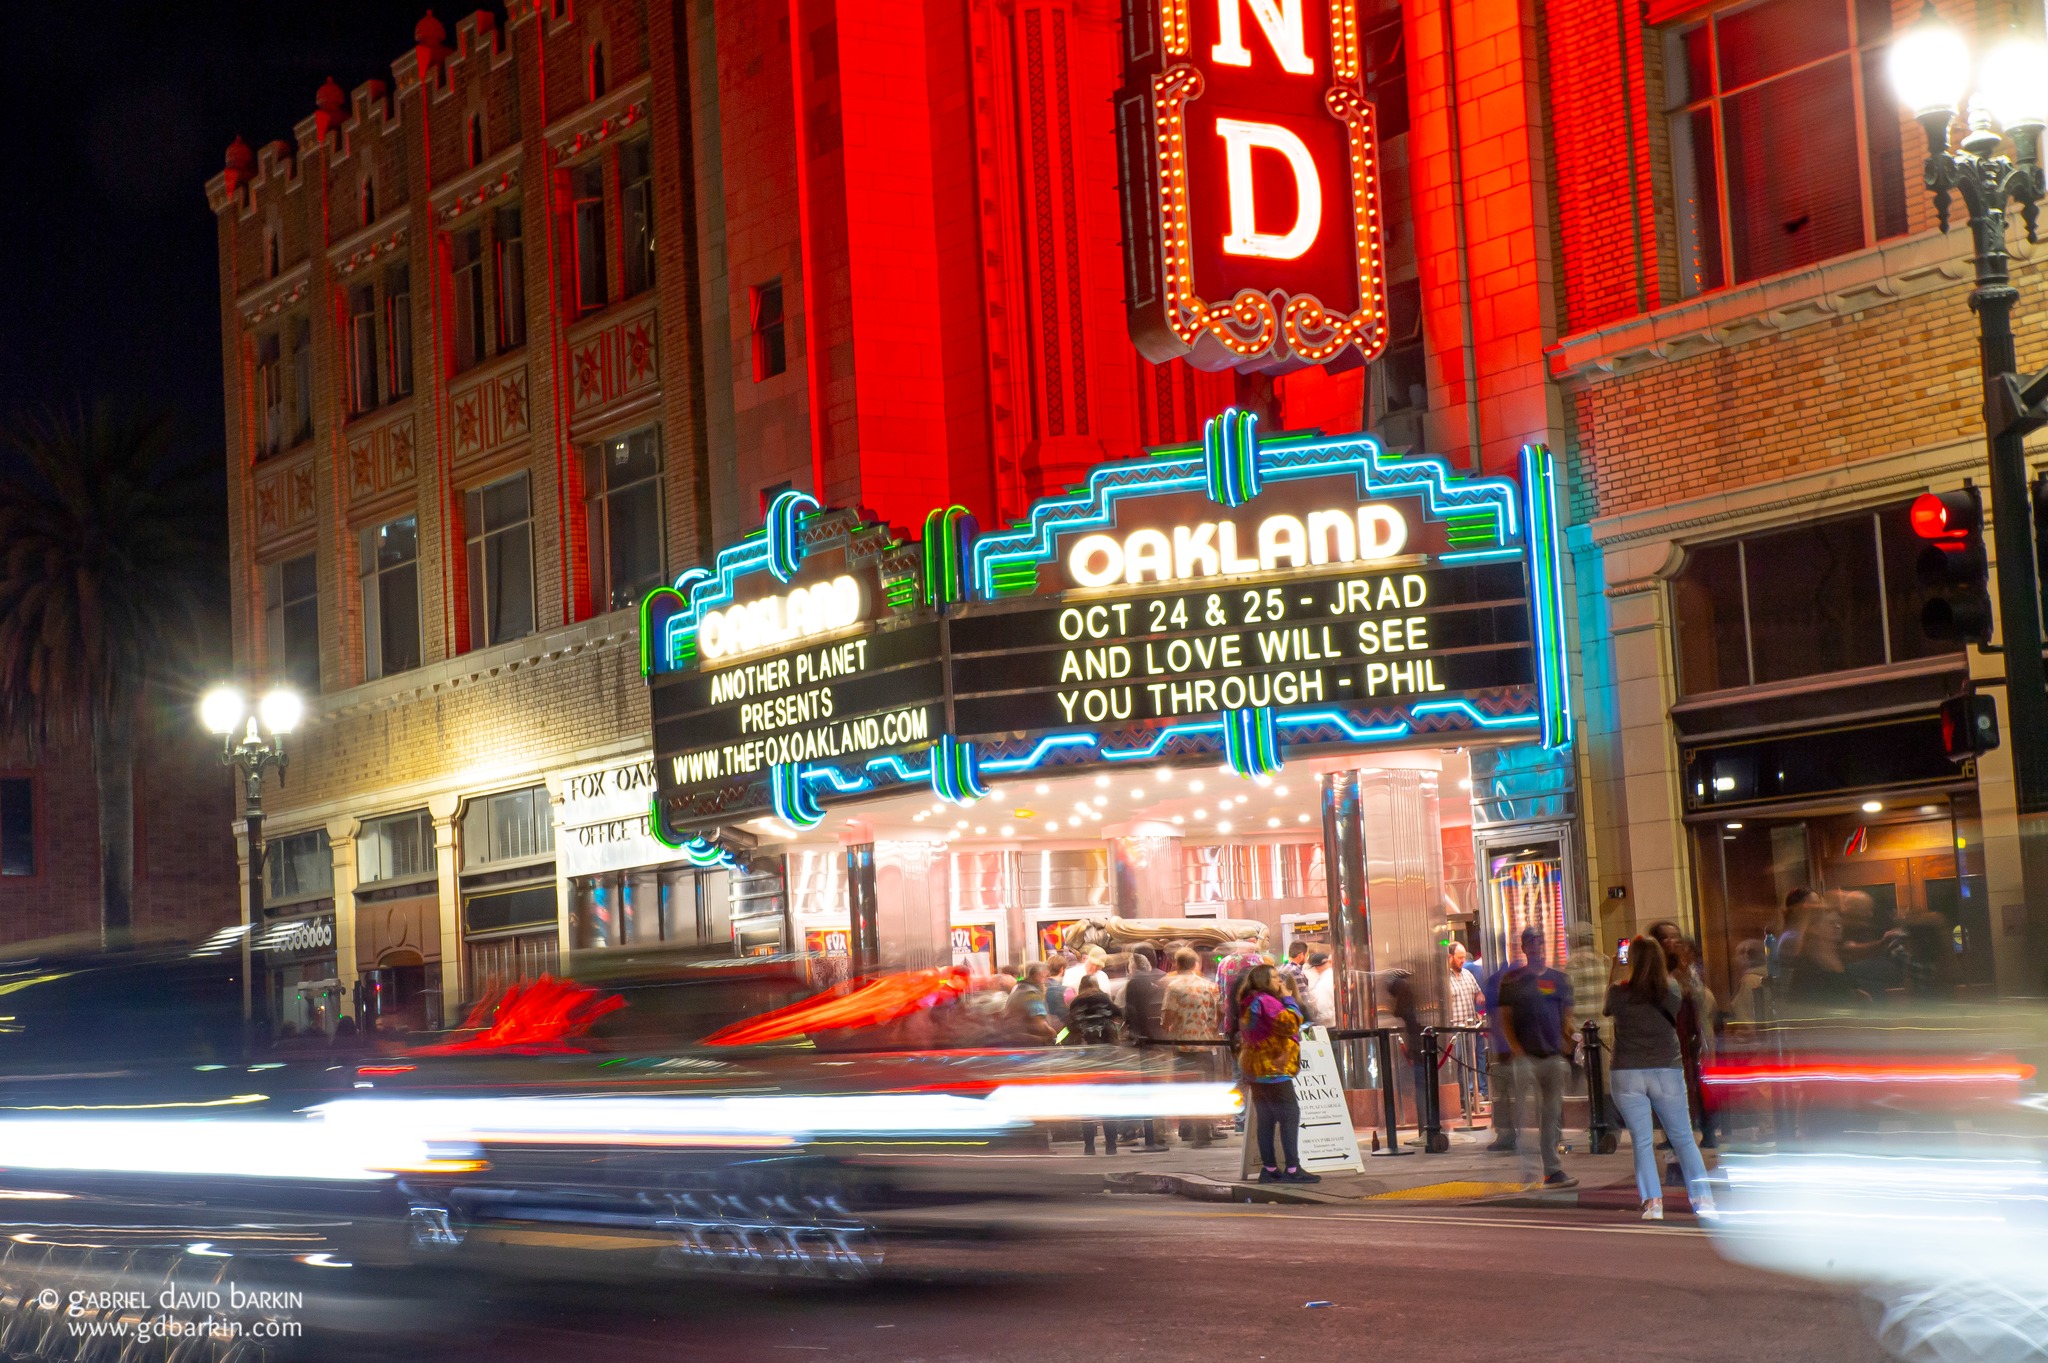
{"points": [[1250, 169], [1243, 599]]}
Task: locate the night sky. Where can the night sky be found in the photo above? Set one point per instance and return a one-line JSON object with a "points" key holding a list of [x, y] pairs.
{"points": [[117, 112]]}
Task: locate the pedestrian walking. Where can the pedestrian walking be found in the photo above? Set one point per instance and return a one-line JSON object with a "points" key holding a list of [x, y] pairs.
{"points": [[1143, 996], [1093, 1019], [1187, 1013], [1536, 1018], [1467, 998], [1025, 1014], [1498, 1066], [1269, 1056], [1648, 1074]]}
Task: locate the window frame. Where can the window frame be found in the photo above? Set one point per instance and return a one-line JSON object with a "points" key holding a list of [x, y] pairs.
{"points": [[371, 828], [478, 546], [508, 259], [365, 349], [766, 366], [1714, 102], [370, 575], [270, 415], [589, 224], [277, 611], [396, 288], [29, 778], [472, 323], [598, 495], [302, 378], [1874, 518], [637, 261]]}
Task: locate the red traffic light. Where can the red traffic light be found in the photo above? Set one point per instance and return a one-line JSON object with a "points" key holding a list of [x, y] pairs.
{"points": [[1946, 515]]}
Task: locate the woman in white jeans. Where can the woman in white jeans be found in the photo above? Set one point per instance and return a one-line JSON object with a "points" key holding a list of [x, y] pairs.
{"points": [[1648, 1073]]}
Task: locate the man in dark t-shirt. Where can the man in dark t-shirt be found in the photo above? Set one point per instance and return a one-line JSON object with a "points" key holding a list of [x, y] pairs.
{"points": [[1536, 1020]]}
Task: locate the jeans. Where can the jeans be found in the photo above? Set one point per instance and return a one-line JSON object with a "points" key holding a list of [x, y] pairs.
{"points": [[1638, 1093], [1503, 1095], [1275, 1105], [1539, 1096]]}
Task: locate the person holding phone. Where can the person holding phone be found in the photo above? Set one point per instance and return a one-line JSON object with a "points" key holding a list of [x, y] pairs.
{"points": [[1648, 1073]]}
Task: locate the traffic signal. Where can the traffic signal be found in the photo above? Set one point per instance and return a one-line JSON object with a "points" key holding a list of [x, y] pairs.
{"points": [[1953, 566], [1969, 726]]}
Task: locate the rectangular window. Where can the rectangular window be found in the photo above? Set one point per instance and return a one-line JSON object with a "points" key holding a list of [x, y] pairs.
{"points": [[364, 351], [636, 195], [1829, 595], [511, 277], [500, 527], [291, 620], [300, 866], [468, 258], [269, 394], [622, 507], [389, 561], [302, 380], [770, 356], [17, 826], [516, 826], [587, 186], [1750, 199], [1403, 368], [397, 848], [398, 327]]}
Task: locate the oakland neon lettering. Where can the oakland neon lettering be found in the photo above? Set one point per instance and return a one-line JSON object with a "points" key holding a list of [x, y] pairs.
{"points": [[1281, 19], [1210, 549]]}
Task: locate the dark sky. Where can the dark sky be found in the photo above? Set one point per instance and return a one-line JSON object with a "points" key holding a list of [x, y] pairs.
{"points": [[116, 113]]}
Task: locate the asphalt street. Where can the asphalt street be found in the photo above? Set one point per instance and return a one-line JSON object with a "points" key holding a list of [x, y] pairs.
{"points": [[1140, 1279]]}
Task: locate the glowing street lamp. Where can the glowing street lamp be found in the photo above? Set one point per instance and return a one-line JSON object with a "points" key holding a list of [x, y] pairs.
{"points": [[1930, 65], [225, 711]]}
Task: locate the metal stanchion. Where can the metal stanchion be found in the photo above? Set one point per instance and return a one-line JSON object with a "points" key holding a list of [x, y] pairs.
{"points": [[1389, 1099], [1600, 1137], [1429, 1100]]}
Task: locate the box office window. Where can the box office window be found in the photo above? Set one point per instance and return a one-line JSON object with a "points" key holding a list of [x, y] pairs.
{"points": [[400, 847], [1825, 596], [299, 866], [516, 826]]}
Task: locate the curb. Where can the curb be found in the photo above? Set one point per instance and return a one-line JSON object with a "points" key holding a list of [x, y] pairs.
{"points": [[1195, 1188]]}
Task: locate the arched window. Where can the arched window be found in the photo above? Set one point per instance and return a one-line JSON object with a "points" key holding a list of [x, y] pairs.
{"points": [[476, 139], [597, 70], [369, 201]]}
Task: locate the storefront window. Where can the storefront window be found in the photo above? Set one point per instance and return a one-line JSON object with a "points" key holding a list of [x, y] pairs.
{"points": [[672, 905], [398, 848], [1253, 871], [1910, 867], [299, 866], [1827, 596], [515, 826]]}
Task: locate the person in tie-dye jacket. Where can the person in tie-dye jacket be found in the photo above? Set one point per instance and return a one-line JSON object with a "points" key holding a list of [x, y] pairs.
{"points": [[1269, 1056]]}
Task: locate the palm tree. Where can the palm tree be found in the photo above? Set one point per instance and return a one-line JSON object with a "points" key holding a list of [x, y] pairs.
{"points": [[104, 535]]}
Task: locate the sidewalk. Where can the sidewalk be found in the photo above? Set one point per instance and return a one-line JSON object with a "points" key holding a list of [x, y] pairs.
{"points": [[1465, 1174]]}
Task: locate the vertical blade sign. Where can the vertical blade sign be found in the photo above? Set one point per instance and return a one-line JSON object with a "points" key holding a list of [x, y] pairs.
{"points": [[1251, 196]]}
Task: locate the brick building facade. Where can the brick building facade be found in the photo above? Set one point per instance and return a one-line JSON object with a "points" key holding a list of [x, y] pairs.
{"points": [[601, 256], [546, 316]]}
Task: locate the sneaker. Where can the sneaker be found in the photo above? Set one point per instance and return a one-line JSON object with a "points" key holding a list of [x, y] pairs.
{"points": [[1271, 1176], [1653, 1210], [1560, 1179], [1300, 1176], [1501, 1148], [1703, 1207], [1149, 1149]]}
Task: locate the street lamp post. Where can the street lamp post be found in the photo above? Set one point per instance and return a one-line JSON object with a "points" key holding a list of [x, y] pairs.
{"points": [[1930, 71], [261, 745]]}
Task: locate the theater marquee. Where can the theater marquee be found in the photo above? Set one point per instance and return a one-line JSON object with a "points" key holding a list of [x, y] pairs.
{"points": [[1250, 168], [1252, 598]]}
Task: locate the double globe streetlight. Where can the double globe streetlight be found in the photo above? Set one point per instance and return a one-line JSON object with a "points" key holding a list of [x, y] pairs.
{"points": [[1931, 72], [224, 711]]}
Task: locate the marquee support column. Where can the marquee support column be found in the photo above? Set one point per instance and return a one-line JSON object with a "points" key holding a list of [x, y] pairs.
{"points": [[1350, 914]]}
